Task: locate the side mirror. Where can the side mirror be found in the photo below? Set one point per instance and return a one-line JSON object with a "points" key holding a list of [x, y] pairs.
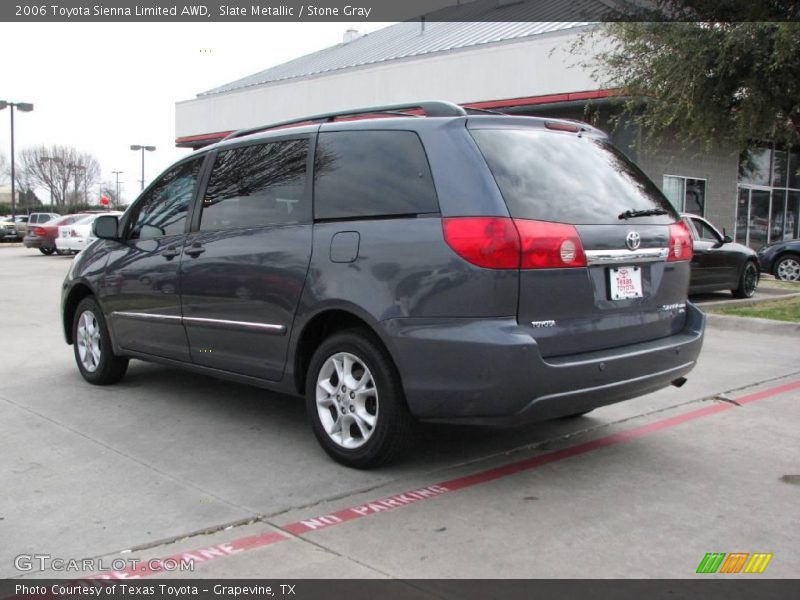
{"points": [[106, 227], [727, 239]]}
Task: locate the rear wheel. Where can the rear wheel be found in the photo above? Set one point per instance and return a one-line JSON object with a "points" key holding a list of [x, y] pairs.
{"points": [[748, 281], [92, 345], [355, 401], [788, 268], [46, 251]]}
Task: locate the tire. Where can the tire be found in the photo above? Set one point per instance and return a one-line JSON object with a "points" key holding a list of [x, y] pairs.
{"points": [[92, 346], [376, 395], [46, 251], [788, 268], [748, 281]]}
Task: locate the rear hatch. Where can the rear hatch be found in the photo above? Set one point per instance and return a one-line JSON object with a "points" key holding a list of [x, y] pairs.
{"points": [[605, 257]]}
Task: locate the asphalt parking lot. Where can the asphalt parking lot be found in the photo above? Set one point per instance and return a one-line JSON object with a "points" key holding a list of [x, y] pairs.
{"points": [[172, 464]]}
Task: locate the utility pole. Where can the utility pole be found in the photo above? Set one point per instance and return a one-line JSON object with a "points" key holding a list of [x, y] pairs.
{"points": [[117, 173]]}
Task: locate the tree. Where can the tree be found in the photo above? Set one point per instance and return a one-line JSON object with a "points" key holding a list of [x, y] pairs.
{"points": [[5, 169], [706, 82], [62, 170]]}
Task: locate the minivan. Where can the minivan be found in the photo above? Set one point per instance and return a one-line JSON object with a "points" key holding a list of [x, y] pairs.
{"points": [[397, 264]]}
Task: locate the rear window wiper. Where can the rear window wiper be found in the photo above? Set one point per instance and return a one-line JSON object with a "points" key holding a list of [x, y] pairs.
{"points": [[650, 212]]}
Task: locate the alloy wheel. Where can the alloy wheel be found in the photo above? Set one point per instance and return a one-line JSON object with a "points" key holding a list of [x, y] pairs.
{"points": [[788, 269], [347, 400], [88, 341]]}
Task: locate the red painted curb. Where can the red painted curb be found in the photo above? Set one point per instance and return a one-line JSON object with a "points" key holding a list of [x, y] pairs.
{"points": [[202, 555]]}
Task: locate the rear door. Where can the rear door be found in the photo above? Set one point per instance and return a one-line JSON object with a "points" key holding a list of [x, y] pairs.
{"points": [[244, 265], [597, 235]]}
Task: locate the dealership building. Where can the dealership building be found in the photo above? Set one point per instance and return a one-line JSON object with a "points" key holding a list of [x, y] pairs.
{"points": [[524, 68]]}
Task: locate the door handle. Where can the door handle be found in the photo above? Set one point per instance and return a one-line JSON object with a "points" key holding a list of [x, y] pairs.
{"points": [[170, 253], [195, 250]]}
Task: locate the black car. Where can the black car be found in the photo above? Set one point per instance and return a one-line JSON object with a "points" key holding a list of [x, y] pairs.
{"points": [[466, 268], [719, 263], [781, 259]]}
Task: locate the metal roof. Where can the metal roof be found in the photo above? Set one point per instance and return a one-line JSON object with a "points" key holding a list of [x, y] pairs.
{"points": [[403, 40]]}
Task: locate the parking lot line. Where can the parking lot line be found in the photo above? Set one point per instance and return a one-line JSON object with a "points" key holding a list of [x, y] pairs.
{"points": [[387, 503]]}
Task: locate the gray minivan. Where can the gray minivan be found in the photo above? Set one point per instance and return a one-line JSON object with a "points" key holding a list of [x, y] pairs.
{"points": [[459, 267]]}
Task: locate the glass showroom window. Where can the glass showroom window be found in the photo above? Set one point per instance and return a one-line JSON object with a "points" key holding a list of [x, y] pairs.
{"points": [[768, 206], [686, 194]]}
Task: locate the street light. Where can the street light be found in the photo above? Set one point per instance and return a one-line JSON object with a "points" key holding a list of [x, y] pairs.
{"points": [[143, 148], [79, 169], [117, 173], [24, 107]]}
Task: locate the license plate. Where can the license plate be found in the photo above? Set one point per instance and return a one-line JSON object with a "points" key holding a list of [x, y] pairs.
{"points": [[625, 282]]}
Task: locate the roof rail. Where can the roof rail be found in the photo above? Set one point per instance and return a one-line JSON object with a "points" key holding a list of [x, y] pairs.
{"points": [[431, 108]]}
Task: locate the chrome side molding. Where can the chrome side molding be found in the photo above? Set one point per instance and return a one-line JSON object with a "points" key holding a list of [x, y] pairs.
{"points": [[218, 323]]}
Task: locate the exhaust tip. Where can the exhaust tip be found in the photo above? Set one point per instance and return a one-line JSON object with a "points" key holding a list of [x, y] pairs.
{"points": [[679, 382]]}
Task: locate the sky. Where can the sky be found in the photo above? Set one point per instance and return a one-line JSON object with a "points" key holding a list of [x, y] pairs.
{"points": [[102, 87]]}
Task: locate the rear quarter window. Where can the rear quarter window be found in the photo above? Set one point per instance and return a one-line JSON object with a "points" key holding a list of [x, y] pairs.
{"points": [[372, 174], [566, 178]]}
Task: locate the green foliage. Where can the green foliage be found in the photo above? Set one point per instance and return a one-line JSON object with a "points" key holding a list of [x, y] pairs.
{"points": [[706, 83]]}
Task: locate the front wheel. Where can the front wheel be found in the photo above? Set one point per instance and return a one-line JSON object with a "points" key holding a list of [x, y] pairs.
{"points": [[96, 360], [748, 282], [46, 251], [788, 268], [355, 401]]}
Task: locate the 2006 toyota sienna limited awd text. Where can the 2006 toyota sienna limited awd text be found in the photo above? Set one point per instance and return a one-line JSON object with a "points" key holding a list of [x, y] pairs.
{"points": [[457, 267]]}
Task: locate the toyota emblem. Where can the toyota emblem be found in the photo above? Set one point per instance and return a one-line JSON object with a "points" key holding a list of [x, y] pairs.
{"points": [[633, 239]]}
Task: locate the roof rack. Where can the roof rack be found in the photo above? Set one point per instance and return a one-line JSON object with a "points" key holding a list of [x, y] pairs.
{"points": [[431, 108]]}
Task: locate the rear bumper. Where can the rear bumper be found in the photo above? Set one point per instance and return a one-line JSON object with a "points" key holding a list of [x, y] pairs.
{"points": [[38, 242], [70, 243], [490, 371]]}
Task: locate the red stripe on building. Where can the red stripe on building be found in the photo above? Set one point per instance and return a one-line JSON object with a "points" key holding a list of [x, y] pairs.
{"points": [[548, 99]]}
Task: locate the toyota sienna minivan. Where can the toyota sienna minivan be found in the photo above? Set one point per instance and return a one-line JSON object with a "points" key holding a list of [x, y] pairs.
{"points": [[413, 263]]}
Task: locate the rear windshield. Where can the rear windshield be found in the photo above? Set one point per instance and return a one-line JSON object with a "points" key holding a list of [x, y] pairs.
{"points": [[568, 179]]}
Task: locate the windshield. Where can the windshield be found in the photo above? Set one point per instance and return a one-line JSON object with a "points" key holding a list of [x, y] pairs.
{"points": [[569, 179]]}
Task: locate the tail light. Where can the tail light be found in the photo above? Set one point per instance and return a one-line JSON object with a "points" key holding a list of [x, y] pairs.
{"points": [[504, 243], [680, 242], [490, 242], [40, 231], [549, 245]]}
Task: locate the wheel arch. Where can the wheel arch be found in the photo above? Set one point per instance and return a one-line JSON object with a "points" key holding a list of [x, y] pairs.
{"points": [[319, 327], [78, 292], [780, 256]]}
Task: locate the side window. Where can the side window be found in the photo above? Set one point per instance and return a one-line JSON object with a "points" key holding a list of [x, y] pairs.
{"points": [[704, 231], [372, 173], [253, 186], [163, 210]]}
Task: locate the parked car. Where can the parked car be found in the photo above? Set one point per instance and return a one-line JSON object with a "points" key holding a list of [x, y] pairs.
{"points": [[43, 236], [37, 218], [781, 259], [719, 263], [73, 238], [562, 274], [8, 231]]}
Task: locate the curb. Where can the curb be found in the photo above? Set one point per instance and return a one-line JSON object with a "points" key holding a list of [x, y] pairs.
{"points": [[771, 296], [753, 325]]}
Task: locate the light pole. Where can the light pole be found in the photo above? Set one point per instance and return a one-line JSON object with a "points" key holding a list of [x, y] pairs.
{"points": [[24, 107], [79, 169], [117, 173], [143, 148]]}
